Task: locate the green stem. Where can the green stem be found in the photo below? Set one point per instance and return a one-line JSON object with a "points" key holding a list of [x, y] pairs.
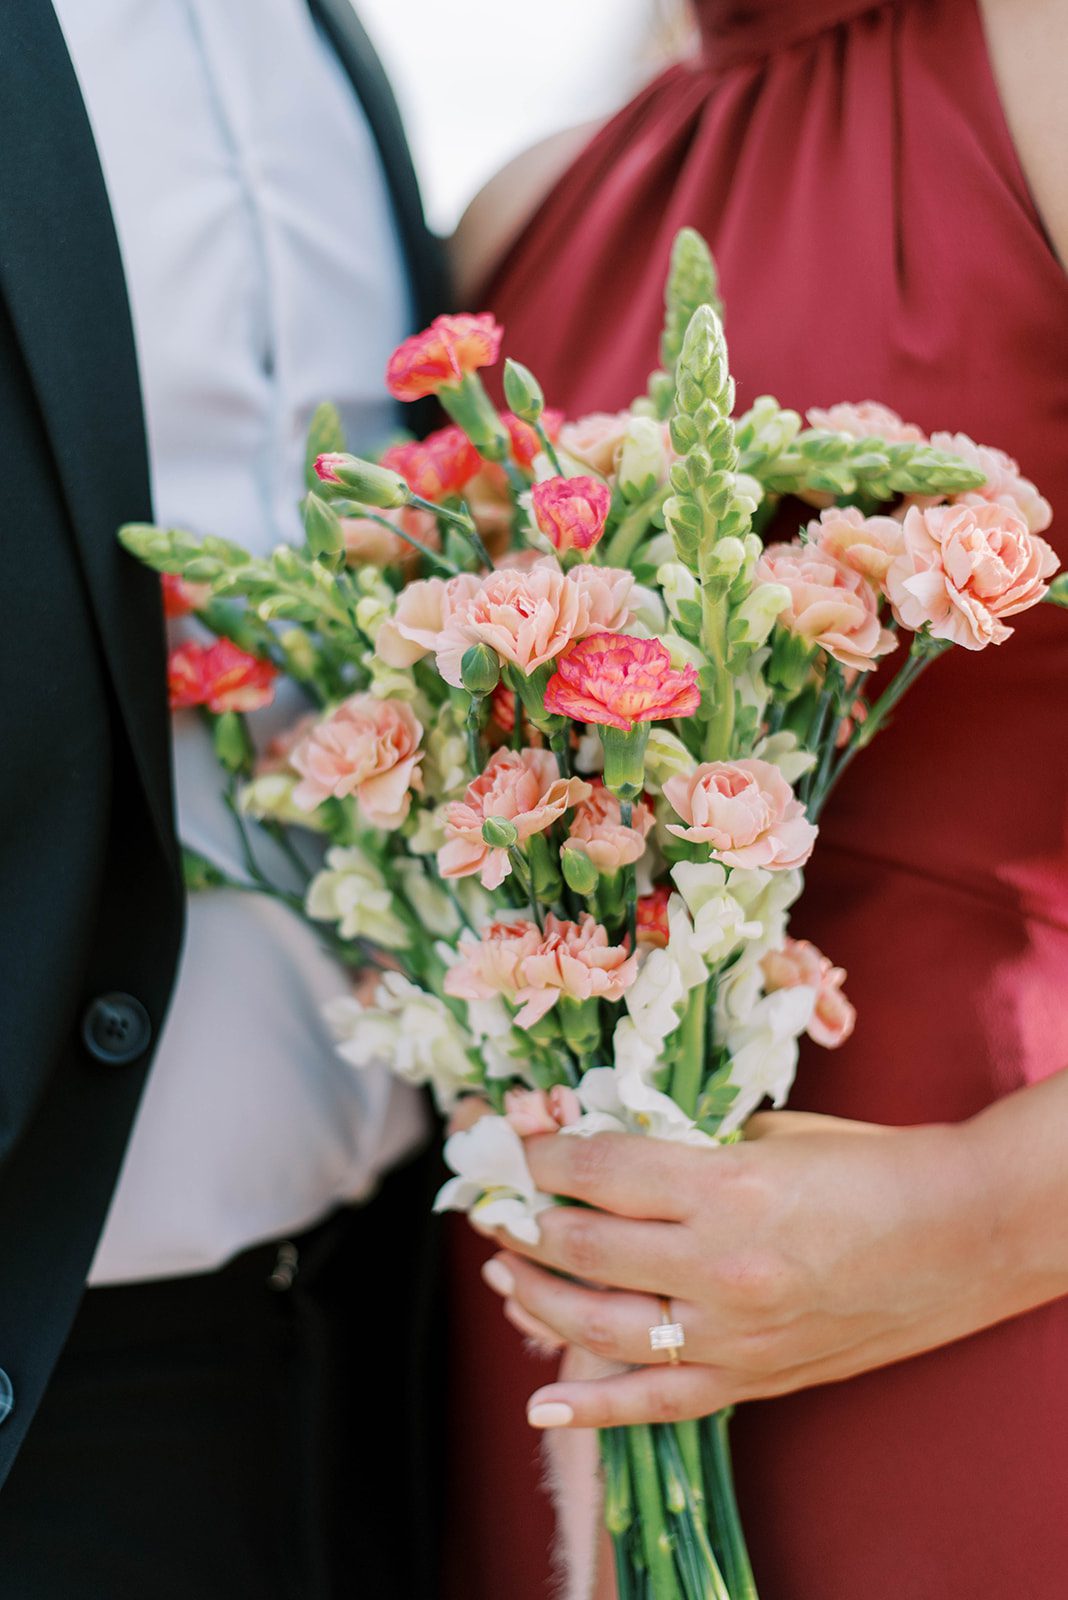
{"points": [[656, 1541], [549, 448], [702, 1578], [730, 1540], [560, 744], [630, 878], [719, 730], [690, 1067], [619, 1510], [526, 887], [366, 515], [461, 520], [924, 651], [628, 536]]}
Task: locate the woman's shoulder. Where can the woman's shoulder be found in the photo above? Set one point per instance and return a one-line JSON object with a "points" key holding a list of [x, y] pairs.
{"points": [[500, 211]]}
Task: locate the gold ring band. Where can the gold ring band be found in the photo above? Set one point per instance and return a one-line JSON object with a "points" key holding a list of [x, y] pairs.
{"points": [[667, 1334]]}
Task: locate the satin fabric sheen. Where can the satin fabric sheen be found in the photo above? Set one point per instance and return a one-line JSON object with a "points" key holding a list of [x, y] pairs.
{"points": [[853, 171]]}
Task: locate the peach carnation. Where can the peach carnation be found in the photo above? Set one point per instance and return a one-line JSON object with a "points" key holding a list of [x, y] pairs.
{"points": [[522, 786], [596, 440], [619, 681], [366, 747], [799, 962], [964, 568], [832, 607], [866, 544], [574, 959], [597, 829], [489, 964], [865, 419], [442, 355], [219, 676], [531, 616], [745, 811], [1005, 484], [571, 512], [423, 611]]}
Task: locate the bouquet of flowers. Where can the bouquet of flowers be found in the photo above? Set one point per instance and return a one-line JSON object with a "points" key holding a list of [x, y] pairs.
{"points": [[571, 727]]}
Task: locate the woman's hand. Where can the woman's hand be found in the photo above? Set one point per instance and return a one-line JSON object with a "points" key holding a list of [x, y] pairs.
{"points": [[815, 1250]]}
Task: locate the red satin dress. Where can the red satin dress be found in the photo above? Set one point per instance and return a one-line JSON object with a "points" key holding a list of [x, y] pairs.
{"points": [[852, 169]]}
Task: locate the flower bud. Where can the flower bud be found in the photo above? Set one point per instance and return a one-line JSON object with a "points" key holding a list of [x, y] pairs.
{"points": [[322, 529], [665, 757], [756, 616], [371, 485], [642, 460], [371, 612], [301, 655], [580, 874], [500, 833], [680, 589], [480, 669], [522, 391]]}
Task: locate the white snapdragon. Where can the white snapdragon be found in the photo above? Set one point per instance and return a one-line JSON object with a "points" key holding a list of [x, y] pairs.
{"points": [[352, 892], [784, 751], [618, 1100], [764, 1051], [413, 1031], [665, 757], [431, 903], [493, 1181], [270, 798], [643, 459], [720, 920]]}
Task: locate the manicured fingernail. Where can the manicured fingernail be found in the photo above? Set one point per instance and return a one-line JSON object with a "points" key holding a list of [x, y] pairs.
{"points": [[500, 1280], [550, 1414]]}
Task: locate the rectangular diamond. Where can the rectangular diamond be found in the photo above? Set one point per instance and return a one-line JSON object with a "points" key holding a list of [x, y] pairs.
{"points": [[667, 1336]]}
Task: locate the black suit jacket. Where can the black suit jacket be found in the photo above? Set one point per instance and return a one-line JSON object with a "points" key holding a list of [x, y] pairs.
{"points": [[90, 892]]}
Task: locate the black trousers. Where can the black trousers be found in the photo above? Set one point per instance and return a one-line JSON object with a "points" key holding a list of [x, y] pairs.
{"points": [[264, 1432]]}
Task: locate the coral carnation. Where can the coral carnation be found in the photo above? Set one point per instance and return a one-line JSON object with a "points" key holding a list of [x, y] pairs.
{"points": [[220, 677], [180, 597], [653, 926], [442, 355], [439, 466], [619, 681]]}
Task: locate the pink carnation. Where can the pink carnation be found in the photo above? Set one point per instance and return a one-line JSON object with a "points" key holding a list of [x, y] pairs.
{"points": [[181, 597], [423, 610], [619, 681], [489, 964], [653, 928], [831, 607], [575, 960], [442, 355], [530, 617], [522, 786], [799, 962], [745, 811], [865, 419], [866, 544], [1005, 484], [964, 569], [220, 676], [367, 747], [571, 512], [525, 442], [597, 830]]}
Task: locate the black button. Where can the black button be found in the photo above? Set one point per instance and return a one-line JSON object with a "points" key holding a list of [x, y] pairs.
{"points": [[116, 1028], [7, 1396]]}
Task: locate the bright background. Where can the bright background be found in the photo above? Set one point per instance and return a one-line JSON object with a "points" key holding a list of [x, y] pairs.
{"points": [[480, 80]]}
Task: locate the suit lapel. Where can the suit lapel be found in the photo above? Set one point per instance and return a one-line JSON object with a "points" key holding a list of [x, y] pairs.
{"points": [[424, 254], [61, 276]]}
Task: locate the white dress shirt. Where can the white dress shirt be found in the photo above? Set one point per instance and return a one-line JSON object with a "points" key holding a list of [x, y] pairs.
{"points": [[264, 276]]}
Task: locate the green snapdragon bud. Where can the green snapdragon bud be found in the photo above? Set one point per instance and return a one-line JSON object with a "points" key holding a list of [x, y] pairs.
{"points": [[480, 669], [523, 392]]}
